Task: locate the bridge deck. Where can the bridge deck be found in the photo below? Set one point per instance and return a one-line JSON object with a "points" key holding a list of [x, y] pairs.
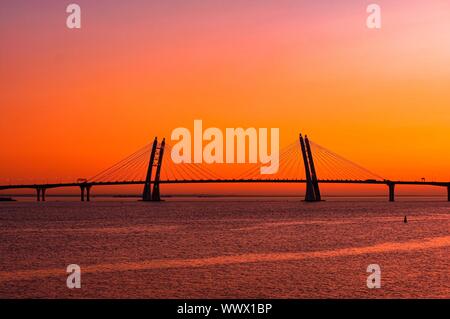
{"points": [[220, 181]]}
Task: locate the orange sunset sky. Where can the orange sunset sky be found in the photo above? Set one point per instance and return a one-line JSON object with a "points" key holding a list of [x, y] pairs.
{"points": [[74, 102]]}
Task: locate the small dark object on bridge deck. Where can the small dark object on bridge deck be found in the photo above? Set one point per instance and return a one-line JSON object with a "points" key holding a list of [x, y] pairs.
{"points": [[405, 220], [7, 199]]}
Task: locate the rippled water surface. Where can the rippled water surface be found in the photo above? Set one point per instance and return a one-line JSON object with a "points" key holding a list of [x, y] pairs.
{"points": [[230, 248]]}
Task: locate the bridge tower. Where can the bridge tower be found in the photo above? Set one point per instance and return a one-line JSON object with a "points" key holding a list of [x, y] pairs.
{"points": [[156, 158], [147, 193], [156, 197], [314, 181], [312, 186]]}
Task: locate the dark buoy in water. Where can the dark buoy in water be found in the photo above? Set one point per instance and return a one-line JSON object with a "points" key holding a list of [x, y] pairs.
{"points": [[405, 220]]}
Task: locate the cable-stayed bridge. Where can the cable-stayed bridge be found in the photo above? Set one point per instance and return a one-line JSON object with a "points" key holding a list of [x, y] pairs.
{"points": [[302, 161]]}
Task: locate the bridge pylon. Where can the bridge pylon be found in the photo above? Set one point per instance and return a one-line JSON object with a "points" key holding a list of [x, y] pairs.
{"points": [[314, 180], [156, 196], [156, 158], [147, 193], [312, 186]]}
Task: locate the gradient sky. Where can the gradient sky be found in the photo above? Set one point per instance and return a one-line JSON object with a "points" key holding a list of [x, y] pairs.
{"points": [[75, 101]]}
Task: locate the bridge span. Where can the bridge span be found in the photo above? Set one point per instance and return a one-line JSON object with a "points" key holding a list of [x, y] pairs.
{"points": [[155, 159], [85, 188]]}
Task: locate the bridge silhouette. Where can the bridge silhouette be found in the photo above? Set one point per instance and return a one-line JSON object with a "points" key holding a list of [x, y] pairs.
{"points": [[302, 162]]}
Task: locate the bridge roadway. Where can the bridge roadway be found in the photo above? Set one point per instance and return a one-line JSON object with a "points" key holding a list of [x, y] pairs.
{"points": [[86, 186]]}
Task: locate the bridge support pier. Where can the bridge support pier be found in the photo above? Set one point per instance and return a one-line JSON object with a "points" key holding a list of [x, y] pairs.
{"points": [[448, 193], [85, 189], [391, 192], [82, 188], [88, 193], [40, 194]]}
